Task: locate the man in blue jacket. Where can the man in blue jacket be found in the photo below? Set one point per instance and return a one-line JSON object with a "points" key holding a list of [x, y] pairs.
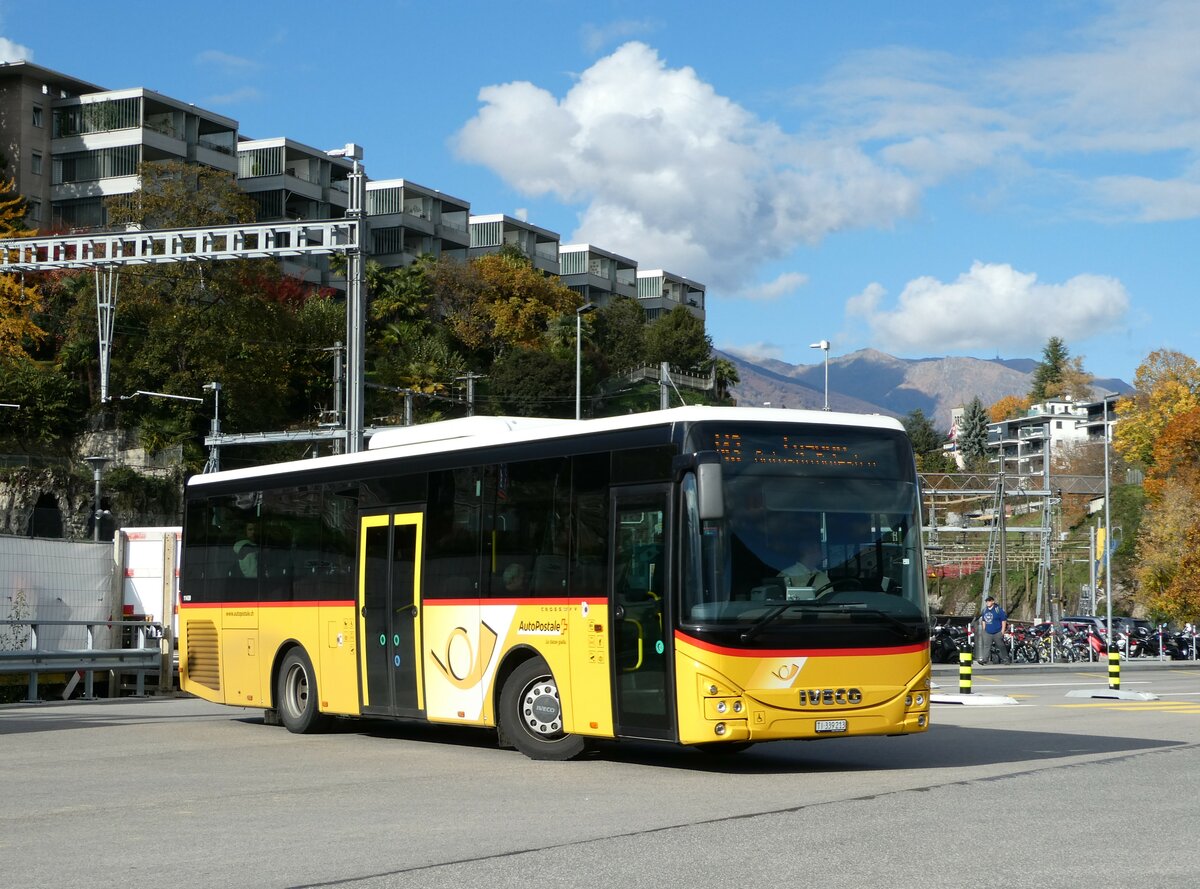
{"points": [[993, 621]]}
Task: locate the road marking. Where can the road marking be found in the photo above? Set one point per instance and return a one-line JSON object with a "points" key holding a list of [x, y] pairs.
{"points": [[1157, 706]]}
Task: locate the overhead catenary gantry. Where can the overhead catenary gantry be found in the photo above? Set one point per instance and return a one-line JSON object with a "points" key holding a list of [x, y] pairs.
{"points": [[966, 522], [106, 252]]}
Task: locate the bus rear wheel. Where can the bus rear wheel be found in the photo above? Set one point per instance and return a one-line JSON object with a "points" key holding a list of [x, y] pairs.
{"points": [[531, 714], [296, 695]]}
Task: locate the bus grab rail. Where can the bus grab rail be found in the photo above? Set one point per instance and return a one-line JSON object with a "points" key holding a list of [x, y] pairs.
{"points": [[34, 660]]}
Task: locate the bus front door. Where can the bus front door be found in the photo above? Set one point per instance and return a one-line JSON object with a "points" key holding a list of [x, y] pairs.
{"points": [[641, 636], [390, 613]]}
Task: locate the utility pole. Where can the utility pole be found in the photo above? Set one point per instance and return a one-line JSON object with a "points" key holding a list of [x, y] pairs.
{"points": [[470, 378]]}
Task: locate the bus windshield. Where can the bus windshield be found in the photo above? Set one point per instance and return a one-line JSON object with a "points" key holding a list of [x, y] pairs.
{"points": [[819, 544]]}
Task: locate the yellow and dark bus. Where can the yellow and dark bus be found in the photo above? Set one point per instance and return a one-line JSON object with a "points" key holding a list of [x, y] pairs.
{"points": [[703, 576]]}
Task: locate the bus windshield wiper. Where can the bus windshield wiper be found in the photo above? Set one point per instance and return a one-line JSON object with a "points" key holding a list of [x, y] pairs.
{"points": [[755, 628], [906, 630]]}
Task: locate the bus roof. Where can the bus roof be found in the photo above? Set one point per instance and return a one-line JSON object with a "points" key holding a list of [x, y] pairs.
{"points": [[481, 432]]}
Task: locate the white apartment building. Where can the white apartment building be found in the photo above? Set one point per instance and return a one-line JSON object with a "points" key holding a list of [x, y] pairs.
{"points": [[597, 275], [71, 144], [492, 232], [288, 180], [659, 292], [1023, 445], [406, 220]]}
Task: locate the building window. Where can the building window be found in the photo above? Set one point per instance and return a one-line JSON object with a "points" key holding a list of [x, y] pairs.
{"points": [[33, 210], [35, 162], [37, 115]]}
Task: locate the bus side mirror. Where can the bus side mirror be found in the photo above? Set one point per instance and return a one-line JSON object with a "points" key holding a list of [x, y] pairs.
{"points": [[710, 488]]}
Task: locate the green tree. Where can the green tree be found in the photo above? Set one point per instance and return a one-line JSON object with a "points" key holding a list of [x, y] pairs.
{"points": [[176, 194], [678, 338], [525, 382], [620, 335], [1048, 375], [927, 442], [726, 374], [972, 436]]}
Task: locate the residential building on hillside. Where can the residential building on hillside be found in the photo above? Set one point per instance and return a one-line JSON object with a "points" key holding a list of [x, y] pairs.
{"points": [[100, 138], [660, 292], [71, 144], [1023, 445], [492, 232], [288, 180], [29, 94], [597, 275], [406, 220]]}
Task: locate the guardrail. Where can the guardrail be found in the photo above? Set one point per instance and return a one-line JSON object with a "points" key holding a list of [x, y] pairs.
{"points": [[34, 661]]}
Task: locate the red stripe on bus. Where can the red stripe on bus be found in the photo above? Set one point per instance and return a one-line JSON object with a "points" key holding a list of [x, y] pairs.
{"points": [[801, 652], [505, 601], [331, 603]]}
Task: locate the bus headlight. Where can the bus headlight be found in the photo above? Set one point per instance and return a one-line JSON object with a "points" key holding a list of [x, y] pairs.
{"points": [[719, 728], [737, 706], [722, 706]]}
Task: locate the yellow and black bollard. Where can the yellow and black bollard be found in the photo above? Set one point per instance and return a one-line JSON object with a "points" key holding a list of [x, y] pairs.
{"points": [[1114, 668], [964, 672]]}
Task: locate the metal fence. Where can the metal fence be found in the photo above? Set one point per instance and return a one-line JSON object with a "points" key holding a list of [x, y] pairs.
{"points": [[146, 655]]}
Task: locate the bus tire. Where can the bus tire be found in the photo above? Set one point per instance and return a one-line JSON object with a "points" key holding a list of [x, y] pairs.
{"points": [[296, 694], [531, 714]]}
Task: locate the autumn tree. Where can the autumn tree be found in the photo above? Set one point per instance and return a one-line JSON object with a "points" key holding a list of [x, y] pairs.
{"points": [[1010, 407], [19, 302], [1166, 384], [496, 302]]}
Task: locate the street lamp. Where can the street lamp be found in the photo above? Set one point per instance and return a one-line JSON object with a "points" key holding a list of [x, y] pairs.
{"points": [[214, 431], [579, 313], [823, 345], [356, 297], [98, 464]]}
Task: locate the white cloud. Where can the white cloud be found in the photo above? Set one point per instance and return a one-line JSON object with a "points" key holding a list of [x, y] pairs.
{"points": [[14, 52], [754, 352], [1152, 200], [991, 307], [1121, 90], [597, 38], [226, 61], [243, 94], [784, 285], [672, 172]]}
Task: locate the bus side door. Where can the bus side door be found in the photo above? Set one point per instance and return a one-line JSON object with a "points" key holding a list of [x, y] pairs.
{"points": [[641, 619], [389, 603]]}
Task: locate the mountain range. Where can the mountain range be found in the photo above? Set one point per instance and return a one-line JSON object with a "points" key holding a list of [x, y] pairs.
{"points": [[873, 382]]}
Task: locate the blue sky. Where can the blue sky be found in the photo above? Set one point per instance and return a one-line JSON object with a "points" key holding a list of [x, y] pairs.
{"points": [[938, 178]]}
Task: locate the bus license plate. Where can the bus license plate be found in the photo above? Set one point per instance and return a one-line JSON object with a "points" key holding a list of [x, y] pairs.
{"points": [[831, 725]]}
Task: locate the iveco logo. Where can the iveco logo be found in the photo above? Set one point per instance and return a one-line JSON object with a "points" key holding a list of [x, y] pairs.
{"points": [[830, 696]]}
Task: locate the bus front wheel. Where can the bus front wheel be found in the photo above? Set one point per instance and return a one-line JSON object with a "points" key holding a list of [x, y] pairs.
{"points": [[296, 695], [531, 714]]}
